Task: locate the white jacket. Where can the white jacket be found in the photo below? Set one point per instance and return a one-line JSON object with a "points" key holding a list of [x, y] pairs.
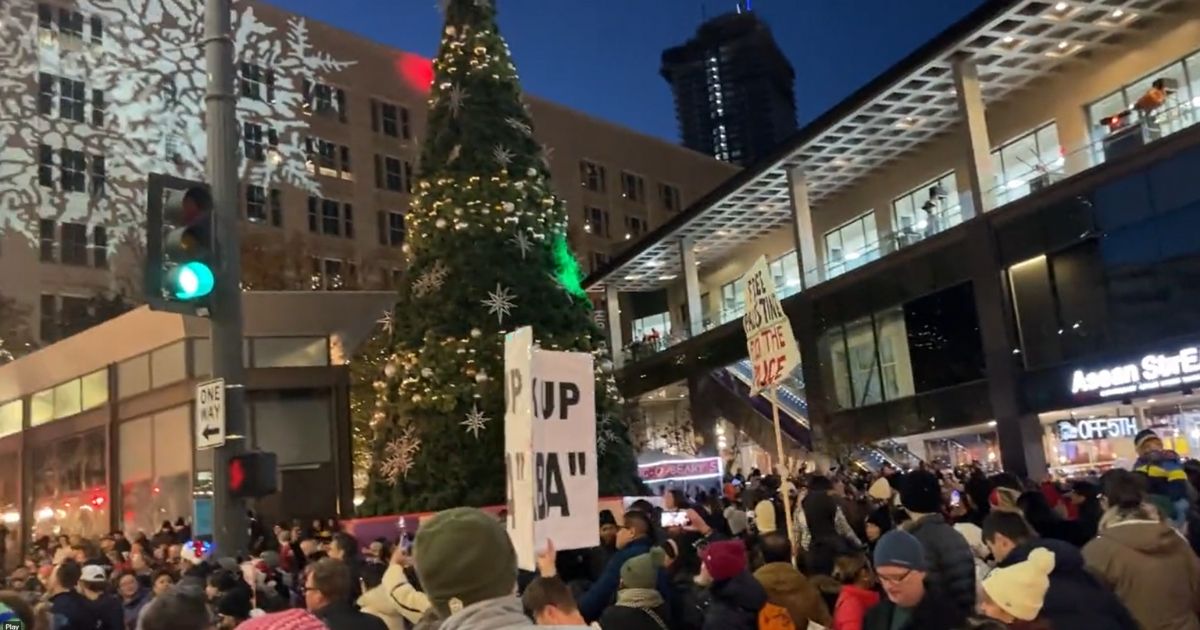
{"points": [[395, 600]]}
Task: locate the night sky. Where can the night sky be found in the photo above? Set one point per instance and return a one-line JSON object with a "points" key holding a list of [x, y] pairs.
{"points": [[602, 56]]}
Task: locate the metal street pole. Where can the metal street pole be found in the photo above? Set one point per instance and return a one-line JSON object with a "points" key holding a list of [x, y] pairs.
{"points": [[230, 524]]}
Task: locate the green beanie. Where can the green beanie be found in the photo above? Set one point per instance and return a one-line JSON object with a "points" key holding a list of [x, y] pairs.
{"points": [[642, 571], [464, 556]]}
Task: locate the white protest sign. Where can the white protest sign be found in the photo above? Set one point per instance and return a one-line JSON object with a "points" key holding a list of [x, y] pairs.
{"points": [[210, 414], [550, 448], [769, 339]]}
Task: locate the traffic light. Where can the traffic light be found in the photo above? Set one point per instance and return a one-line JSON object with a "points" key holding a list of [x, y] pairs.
{"points": [[252, 475], [180, 246]]}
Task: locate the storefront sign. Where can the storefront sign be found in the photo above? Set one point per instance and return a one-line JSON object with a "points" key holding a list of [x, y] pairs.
{"points": [[1096, 429], [769, 339], [1153, 372], [681, 469]]}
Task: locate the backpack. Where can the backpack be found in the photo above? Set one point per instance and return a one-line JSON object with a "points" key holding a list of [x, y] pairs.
{"points": [[775, 617]]}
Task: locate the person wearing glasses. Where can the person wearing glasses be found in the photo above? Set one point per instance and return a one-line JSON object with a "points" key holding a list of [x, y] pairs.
{"points": [[911, 602]]}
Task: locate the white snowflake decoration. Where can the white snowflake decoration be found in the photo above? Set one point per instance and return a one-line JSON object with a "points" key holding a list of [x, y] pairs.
{"points": [[522, 242], [151, 68], [503, 155], [431, 281], [457, 96], [500, 303], [387, 321], [399, 454], [519, 125], [454, 153], [547, 155], [476, 421]]}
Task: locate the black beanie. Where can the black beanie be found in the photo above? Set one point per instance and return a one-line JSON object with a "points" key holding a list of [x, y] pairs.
{"points": [[920, 492]]}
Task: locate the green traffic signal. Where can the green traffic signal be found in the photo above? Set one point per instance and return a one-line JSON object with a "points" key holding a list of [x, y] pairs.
{"points": [[191, 280]]}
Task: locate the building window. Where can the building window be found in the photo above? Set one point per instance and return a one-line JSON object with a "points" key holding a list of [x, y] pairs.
{"points": [[98, 108], [926, 210], [328, 158], [48, 318], [70, 24], [99, 176], [46, 94], [867, 361], [1027, 163], [851, 245], [733, 301], [408, 177], [599, 260], [72, 97], [391, 228], [592, 176], [390, 119], [635, 227], [595, 221], [257, 82], [670, 197], [330, 217], [332, 274], [256, 204], [100, 247], [1119, 111], [633, 187], [785, 271], [74, 170], [389, 173], [74, 244], [45, 166], [276, 199], [48, 240], [325, 100], [97, 29], [252, 141]]}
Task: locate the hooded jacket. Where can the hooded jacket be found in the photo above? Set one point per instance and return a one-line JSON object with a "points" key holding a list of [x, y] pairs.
{"points": [[735, 603], [788, 588], [853, 602], [1075, 599], [951, 561], [395, 600], [1150, 567]]}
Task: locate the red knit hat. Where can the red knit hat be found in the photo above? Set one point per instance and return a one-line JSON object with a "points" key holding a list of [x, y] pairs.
{"points": [[725, 559], [294, 619]]}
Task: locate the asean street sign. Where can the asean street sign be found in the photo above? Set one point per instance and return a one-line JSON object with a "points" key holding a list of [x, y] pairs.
{"points": [[210, 414]]}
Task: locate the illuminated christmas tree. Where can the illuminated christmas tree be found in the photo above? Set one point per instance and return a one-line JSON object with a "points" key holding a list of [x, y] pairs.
{"points": [[487, 253]]}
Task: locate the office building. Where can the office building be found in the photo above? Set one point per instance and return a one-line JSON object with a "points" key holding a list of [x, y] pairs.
{"points": [[986, 254], [733, 87], [95, 97]]}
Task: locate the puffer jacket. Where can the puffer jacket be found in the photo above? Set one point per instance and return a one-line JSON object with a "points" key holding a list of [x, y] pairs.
{"points": [[1075, 599], [951, 562], [735, 603], [395, 600], [1150, 567]]}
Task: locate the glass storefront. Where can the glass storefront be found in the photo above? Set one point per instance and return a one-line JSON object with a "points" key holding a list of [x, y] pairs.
{"points": [[70, 495], [155, 470]]}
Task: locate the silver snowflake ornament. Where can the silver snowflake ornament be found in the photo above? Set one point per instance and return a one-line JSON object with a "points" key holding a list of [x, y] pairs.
{"points": [[457, 96], [503, 155], [399, 454], [431, 281], [387, 321], [519, 125], [522, 242], [500, 302], [476, 421]]}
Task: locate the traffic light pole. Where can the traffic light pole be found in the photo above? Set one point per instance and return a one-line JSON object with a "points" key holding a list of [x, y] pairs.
{"points": [[230, 524]]}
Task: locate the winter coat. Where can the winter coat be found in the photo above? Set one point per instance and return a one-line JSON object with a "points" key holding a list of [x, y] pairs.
{"points": [[343, 616], [735, 603], [72, 611], [852, 605], [645, 609], [951, 561], [935, 612], [688, 602], [502, 613], [1075, 599], [134, 607], [788, 588], [604, 591], [110, 613], [395, 600], [1150, 567]]}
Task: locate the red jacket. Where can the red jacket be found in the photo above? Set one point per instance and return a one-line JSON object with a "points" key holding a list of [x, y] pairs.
{"points": [[852, 605]]}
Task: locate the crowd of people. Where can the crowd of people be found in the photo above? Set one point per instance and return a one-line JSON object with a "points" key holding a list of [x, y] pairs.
{"points": [[915, 550]]}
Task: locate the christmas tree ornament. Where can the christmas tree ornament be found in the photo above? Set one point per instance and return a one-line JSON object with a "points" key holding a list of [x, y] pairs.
{"points": [[476, 421], [500, 303]]}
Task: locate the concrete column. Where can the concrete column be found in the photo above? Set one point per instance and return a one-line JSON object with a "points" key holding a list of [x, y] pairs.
{"points": [[691, 282], [612, 307], [802, 229], [1020, 434], [979, 148]]}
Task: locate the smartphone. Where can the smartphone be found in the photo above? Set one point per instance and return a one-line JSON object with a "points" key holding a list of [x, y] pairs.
{"points": [[955, 498], [677, 518]]}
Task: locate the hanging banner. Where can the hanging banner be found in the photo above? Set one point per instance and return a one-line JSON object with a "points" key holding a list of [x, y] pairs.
{"points": [[769, 339], [549, 448]]}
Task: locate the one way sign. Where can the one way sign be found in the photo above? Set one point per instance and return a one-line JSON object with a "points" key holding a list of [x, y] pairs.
{"points": [[210, 414]]}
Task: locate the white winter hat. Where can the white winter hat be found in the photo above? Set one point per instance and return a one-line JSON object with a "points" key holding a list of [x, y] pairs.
{"points": [[974, 536], [1020, 589], [881, 489]]}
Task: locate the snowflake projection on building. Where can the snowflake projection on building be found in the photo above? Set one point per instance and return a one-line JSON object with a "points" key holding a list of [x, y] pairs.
{"points": [[147, 63], [398, 455]]}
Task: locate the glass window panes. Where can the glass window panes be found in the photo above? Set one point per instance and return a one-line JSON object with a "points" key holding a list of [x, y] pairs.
{"points": [[95, 389], [133, 376], [864, 364], [785, 271], [68, 399], [648, 326], [41, 407], [168, 365], [277, 352], [1029, 162], [1177, 112], [733, 300], [926, 210], [895, 367], [10, 418], [852, 245]]}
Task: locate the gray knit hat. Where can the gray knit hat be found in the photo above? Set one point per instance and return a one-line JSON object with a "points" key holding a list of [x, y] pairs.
{"points": [[464, 557]]}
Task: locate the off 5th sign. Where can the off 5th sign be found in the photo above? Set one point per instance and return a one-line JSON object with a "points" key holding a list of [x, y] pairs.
{"points": [[210, 414]]}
